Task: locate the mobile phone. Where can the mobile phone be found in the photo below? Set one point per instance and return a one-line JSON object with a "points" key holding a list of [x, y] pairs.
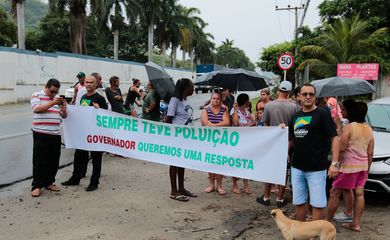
{"points": [[62, 96]]}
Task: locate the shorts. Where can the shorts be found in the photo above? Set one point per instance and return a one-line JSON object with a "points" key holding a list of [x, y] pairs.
{"points": [[350, 180], [312, 182]]}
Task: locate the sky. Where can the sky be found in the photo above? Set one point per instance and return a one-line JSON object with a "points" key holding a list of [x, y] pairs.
{"points": [[252, 24]]}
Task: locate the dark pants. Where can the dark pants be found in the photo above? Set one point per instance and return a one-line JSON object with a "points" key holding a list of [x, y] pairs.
{"points": [[80, 164], [46, 159]]}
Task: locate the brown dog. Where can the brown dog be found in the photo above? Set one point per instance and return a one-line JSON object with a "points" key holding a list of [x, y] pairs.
{"points": [[292, 229]]}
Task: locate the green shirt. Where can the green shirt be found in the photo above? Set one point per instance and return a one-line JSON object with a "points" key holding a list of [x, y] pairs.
{"points": [[154, 114]]}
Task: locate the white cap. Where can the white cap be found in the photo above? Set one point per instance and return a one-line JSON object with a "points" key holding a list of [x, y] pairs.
{"points": [[285, 86]]}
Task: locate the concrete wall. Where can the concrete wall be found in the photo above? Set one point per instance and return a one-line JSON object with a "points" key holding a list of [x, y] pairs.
{"points": [[23, 72]]}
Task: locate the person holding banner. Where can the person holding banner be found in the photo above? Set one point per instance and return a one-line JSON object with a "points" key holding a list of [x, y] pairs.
{"points": [[48, 111], [91, 98], [310, 130], [241, 117], [180, 112], [215, 115]]}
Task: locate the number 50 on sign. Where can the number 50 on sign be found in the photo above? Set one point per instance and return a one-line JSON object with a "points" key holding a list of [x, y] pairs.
{"points": [[285, 61]]}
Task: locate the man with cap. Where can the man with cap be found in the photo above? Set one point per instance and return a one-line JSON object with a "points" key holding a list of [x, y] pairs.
{"points": [[275, 113], [79, 86]]}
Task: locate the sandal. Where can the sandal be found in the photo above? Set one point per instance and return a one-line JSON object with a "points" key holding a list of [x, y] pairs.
{"points": [[180, 198], [352, 227], [209, 189], [221, 191], [188, 194], [53, 188], [36, 192]]}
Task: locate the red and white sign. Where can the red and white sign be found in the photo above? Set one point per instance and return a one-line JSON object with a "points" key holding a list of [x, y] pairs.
{"points": [[366, 71], [285, 61]]}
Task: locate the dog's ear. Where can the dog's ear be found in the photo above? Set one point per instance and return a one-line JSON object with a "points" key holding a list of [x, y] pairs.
{"points": [[284, 211], [273, 213]]}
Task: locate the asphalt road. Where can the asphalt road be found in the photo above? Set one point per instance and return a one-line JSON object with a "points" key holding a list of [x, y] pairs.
{"points": [[16, 139]]}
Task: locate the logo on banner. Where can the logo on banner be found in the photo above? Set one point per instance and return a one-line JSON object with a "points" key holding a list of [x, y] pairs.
{"points": [[85, 102]]}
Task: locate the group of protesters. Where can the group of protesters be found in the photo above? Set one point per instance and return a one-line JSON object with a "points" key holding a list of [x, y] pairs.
{"points": [[318, 128]]}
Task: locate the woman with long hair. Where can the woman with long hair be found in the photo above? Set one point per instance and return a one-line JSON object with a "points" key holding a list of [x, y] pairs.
{"points": [[131, 98], [180, 112], [215, 115]]}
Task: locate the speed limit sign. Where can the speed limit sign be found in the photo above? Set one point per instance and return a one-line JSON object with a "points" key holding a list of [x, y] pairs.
{"points": [[285, 61]]}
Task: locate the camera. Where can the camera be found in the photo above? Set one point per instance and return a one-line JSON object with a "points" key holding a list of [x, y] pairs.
{"points": [[68, 100]]}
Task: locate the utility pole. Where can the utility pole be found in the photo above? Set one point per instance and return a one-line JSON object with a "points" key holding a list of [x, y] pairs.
{"points": [[289, 8]]}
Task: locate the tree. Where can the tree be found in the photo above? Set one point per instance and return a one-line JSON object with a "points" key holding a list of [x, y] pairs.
{"points": [[7, 30], [18, 13], [78, 18], [152, 9], [343, 41], [115, 14], [52, 34], [232, 57]]}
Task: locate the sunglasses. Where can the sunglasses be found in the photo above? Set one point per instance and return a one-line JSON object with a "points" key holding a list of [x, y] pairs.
{"points": [[54, 92], [308, 94]]}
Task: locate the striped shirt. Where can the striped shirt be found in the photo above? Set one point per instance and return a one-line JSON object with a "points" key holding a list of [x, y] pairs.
{"points": [[47, 122], [215, 118]]}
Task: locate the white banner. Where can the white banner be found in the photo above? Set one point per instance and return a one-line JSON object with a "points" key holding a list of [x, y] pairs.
{"points": [[257, 153]]}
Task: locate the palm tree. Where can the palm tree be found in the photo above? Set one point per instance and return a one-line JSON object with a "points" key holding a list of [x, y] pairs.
{"points": [[78, 15], [344, 41], [18, 13], [152, 9], [116, 11]]}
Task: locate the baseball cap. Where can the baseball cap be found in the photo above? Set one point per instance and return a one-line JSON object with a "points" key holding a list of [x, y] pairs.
{"points": [[80, 74], [285, 86]]}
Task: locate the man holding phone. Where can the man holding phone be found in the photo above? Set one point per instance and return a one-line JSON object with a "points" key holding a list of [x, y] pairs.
{"points": [[48, 110]]}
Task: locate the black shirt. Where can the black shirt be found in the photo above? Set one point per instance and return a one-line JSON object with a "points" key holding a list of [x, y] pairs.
{"points": [[311, 132], [116, 106], [95, 98]]}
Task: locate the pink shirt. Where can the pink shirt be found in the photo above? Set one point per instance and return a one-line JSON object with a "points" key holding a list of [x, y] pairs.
{"points": [[355, 157]]}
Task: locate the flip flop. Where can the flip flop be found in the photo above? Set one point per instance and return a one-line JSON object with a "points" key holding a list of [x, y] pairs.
{"points": [[180, 198], [36, 192], [209, 189], [352, 227], [188, 194], [221, 191], [53, 188]]}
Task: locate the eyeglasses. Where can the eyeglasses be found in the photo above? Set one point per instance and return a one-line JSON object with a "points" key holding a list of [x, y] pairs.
{"points": [[308, 94]]}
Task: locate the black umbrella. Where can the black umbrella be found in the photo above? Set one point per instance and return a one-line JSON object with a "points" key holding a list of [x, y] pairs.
{"points": [[338, 86], [160, 79], [233, 79]]}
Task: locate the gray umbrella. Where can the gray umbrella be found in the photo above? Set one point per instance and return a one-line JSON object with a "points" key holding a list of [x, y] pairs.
{"points": [[338, 86], [233, 79], [160, 79]]}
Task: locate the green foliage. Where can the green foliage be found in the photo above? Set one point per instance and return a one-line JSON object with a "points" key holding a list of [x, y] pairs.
{"points": [[52, 35], [343, 41], [7, 30], [232, 57], [35, 10], [269, 57]]}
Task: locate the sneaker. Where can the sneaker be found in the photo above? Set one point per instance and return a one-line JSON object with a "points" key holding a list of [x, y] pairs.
{"points": [[91, 187], [262, 201], [342, 218], [71, 182], [281, 203]]}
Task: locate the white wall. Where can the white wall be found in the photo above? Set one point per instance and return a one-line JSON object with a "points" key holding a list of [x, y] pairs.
{"points": [[23, 72]]}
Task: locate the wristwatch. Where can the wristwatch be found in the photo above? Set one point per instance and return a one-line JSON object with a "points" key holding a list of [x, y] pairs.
{"points": [[335, 164]]}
